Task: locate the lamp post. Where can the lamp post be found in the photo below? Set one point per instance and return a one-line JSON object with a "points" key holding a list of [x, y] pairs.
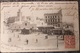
{"points": [[57, 41]]}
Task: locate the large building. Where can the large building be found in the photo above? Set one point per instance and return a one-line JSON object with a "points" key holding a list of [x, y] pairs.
{"points": [[54, 23], [54, 19]]}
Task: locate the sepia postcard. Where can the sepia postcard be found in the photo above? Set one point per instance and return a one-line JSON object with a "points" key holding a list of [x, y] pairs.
{"points": [[39, 26]]}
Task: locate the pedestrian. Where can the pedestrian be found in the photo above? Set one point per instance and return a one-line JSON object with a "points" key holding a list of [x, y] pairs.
{"points": [[36, 40], [57, 41], [27, 41], [46, 37], [9, 40], [18, 36]]}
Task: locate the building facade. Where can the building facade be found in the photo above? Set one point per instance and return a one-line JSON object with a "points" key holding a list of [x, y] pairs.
{"points": [[54, 19], [54, 23]]}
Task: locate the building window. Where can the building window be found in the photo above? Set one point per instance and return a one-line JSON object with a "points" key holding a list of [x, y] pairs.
{"points": [[53, 17], [46, 20], [58, 16], [58, 20], [53, 20], [46, 17], [58, 25]]}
